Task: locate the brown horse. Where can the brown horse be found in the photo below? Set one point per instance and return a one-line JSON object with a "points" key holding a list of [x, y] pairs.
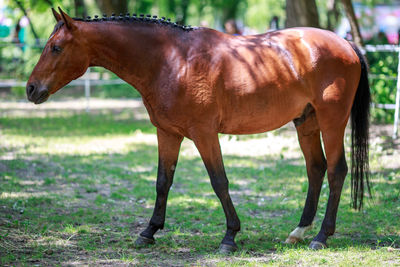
{"points": [[198, 82]]}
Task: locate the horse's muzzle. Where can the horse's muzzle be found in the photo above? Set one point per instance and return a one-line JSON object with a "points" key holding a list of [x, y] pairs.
{"points": [[36, 94]]}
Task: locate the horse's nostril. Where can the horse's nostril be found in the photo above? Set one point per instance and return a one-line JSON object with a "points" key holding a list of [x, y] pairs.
{"points": [[30, 89]]}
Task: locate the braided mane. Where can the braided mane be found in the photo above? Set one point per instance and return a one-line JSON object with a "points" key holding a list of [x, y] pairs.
{"points": [[134, 18]]}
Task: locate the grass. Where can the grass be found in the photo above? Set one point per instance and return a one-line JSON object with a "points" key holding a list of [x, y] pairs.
{"points": [[77, 188]]}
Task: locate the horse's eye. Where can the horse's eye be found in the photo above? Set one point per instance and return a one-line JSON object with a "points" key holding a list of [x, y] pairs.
{"points": [[56, 49]]}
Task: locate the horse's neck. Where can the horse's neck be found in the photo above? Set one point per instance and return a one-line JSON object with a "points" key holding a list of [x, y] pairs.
{"points": [[134, 53]]}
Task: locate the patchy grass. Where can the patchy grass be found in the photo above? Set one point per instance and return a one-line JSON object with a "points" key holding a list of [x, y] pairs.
{"points": [[77, 188]]}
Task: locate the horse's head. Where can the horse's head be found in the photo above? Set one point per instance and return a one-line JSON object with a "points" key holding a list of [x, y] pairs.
{"points": [[64, 58]]}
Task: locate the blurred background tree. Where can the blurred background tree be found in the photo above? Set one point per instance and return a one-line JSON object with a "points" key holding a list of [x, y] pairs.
{"points": [[301, 13], [252, 14], [111, 6]]}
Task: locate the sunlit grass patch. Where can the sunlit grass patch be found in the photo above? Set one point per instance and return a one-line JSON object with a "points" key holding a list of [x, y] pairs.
{"points": [[81, 229], [78, 188]]}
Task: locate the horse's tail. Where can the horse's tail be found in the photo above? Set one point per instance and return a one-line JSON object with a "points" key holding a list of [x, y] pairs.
{"points": [[360, 135]]}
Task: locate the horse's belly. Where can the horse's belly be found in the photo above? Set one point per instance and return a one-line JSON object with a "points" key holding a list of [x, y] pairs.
{"points": [[253, 126], [252, 121]]}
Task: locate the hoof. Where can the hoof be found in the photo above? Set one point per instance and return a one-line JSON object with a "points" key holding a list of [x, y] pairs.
{"points": [[142, 241], [316, 245], [297, 235], [292, 240], [227, 249]]}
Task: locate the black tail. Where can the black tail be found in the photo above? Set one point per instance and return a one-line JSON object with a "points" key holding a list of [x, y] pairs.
{"points": [[360, 136]]}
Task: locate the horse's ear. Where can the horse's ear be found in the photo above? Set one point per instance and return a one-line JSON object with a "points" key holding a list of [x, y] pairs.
{"points": [[69, 22], [56, 15]]}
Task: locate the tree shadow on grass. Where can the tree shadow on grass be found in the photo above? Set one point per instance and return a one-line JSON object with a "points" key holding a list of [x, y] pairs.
{"points": [[94, 206]]}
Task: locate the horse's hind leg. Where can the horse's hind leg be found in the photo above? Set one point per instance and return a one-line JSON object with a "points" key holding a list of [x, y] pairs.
{"points": [[168, 150], [337, 170], [310, 142]]}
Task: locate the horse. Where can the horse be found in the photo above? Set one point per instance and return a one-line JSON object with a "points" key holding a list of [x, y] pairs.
{"points": [[198, 82]]}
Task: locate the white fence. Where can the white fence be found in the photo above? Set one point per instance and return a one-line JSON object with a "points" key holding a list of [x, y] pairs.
{"points": [[87, 82]]}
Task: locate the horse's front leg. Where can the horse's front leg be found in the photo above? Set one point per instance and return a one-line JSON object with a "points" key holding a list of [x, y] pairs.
{"points": [[210, 151], [168, 150]]}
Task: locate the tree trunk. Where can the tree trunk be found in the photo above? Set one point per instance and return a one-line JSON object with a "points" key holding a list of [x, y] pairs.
{"points": [[230, 11], [181, 18], [144, 7], [302, 13], [171, 6], [333, 14], [80, 9], [113, 6], [351, 16]]}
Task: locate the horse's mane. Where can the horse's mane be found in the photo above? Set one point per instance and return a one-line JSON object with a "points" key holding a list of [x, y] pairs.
{"points": [[134, 18], [57, 27]]}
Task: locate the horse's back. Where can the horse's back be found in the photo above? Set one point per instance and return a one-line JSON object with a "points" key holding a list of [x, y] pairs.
{"points": [[268, 79], [290, 54], [252, 84]]}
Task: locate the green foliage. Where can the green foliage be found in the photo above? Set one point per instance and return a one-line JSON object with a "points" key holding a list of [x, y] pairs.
{"points": [[383, 90], [260, 12], [375, 2], [115, 91], [143, 6], [17, 62], [18, 92], [34, 5]]}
